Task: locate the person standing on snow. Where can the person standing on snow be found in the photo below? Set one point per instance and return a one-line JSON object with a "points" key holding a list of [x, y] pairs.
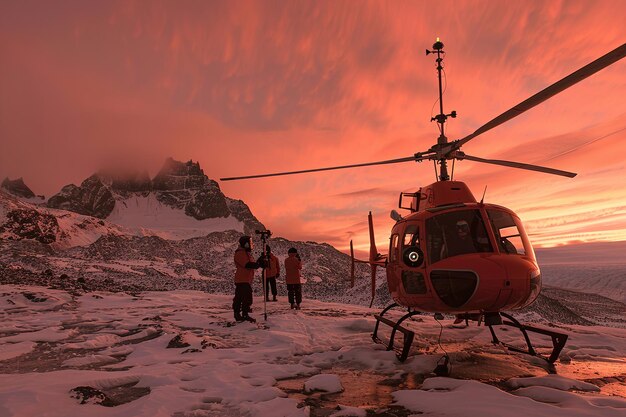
{"points": [[271, 273], [244, 275], [293, 265]]}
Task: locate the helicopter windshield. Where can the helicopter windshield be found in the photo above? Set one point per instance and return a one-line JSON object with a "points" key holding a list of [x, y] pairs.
{"points": [[456, 233]]}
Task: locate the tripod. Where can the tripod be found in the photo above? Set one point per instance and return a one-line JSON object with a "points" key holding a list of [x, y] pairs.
{"points": [[265, 234]]}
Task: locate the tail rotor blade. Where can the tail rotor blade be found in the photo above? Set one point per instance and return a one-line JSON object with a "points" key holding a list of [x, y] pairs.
{"points": [[519, 165]]}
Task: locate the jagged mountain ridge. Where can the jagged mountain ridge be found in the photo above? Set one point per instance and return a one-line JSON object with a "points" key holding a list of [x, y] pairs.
{"points": [[179, 190], [179, 203]]}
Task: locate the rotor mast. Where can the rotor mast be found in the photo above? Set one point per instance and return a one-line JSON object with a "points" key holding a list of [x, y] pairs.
{"points": [[441, 117]]}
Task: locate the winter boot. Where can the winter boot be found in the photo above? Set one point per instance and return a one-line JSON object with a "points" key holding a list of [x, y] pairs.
{"points": [[250, 319], [297, 306], [293, 305], [274, 299]]}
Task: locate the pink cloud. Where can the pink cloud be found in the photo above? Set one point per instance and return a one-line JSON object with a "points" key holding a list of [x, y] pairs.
{"points": [[251, 87]]}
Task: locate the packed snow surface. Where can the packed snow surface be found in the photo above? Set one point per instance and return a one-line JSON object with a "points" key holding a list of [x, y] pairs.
{"points": [[179, 354]]}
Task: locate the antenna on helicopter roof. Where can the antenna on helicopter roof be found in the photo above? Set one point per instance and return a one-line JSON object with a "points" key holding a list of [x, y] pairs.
{"points": [[441, 117], [484, 192]]}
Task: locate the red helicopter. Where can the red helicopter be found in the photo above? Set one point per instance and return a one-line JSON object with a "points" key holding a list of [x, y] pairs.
{"points": [[452, 253]]}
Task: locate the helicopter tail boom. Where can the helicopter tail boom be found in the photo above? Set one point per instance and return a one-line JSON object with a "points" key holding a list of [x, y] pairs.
{"points": [[375, 259]]}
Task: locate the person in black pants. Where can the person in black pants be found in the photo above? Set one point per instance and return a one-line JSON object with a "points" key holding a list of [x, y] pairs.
{"points": [[244, 275], [293, 265]]}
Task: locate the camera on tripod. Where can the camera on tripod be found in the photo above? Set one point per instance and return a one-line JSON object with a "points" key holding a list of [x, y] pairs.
{"points": [[264, 233]]}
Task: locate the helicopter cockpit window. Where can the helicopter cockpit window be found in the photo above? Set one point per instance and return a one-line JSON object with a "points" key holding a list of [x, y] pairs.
{"points": [[507, 233], [411, 236], [393, 250], [456, 233]]}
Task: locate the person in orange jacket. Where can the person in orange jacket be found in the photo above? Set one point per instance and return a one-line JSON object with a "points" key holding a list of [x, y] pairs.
{"points": [[244, 275], [271, 273], [293, 265]]}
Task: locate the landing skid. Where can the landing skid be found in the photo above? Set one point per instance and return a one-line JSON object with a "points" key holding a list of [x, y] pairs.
{"points": [[558, 339], [490, 320], [401, 353]]}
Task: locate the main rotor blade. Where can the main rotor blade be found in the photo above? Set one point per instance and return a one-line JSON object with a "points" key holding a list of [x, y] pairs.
{"points": [[575, 77], [389, 161], [519, 165]]}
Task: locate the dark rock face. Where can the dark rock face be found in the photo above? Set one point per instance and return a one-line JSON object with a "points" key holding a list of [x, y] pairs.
{"points": [[208, 202], [31, 224], [92, 198], [176, 176], [17, 188], [242, 212], [90, 395], [184, 185], [177, 342], [174, 199]]}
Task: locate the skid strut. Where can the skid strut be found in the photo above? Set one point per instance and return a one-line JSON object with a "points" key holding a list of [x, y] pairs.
{"points": [[558, 339], [401, 353]]}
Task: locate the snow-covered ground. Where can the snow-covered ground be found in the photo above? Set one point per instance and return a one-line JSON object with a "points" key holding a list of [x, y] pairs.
{"points": [[598, 268], [110, 350]]}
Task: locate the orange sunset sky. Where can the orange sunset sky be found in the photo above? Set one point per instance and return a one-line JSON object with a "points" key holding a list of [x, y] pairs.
{"points": [[265, 86]]}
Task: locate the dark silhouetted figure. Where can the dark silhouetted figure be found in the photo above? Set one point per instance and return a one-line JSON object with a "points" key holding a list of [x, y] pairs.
{"points": [[461, 243], [272, 271]]}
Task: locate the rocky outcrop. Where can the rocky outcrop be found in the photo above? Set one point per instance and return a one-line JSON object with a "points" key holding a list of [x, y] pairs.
{"points": [[176, 176], [92, 198], [208, 202], [30, 224], [17, 188], [241, 212], [183, 185]]}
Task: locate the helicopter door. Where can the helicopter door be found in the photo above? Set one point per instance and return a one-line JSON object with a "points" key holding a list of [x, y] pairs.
{"points": [[412, 258]]}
